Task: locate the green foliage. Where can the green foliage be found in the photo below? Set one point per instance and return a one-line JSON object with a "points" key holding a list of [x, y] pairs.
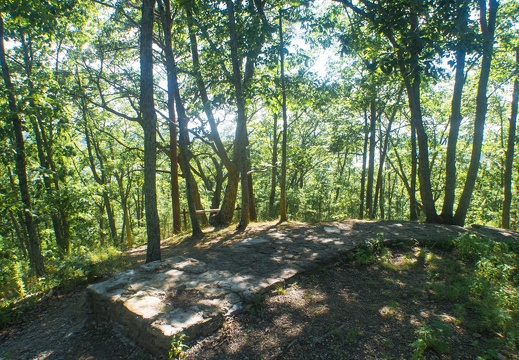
{"points": [[368, 252], [177, 346], [483, 279], [436, 337], [11, 279], [21, 291], [257, 303]]}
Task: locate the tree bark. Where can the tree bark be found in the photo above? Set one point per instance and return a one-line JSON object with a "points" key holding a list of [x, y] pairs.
{"points": [[447, 213], [274, 164], [166, 20], [371, 158], [364, 161], [509, 160], [283, 190], [149, 124], [379, 188], [241, 138], [35, 250], [487, 30]]}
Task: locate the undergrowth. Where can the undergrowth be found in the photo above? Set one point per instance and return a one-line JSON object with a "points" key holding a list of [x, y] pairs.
{"points": [[476, 277], [20, 291], [480, 277]]}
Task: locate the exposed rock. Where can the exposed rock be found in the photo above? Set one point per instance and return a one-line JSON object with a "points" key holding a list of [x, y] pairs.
{"points": [[152, 303]]}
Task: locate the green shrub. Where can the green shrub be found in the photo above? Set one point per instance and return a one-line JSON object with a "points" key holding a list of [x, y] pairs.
{"points": [[434, 337], [11, 281]]}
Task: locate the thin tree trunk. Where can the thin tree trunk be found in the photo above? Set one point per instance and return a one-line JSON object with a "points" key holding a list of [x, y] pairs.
{"points": [[252, 202], [45, 159], [219, 179], [379, 189], [413, 211], [487, 29], [35, 250], [274, 175], [283, 196], [364, 161], [215, 135], [149, 124], [171, 68], [173, 152], [509, 161], [202, 218], [371, 159], [173, 160]]}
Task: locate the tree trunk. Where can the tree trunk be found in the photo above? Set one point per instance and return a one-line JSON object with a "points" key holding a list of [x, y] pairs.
{"points": [[171, 68], [274, 163], [123, 194], [253, 216], [364, 161], [173, 161], [149, 124], [202, 218], [509, 161], [371, 159], [226, 213], [413, 210], [35, 250], [447, 213], [241, 138], [283, 196], [487, 29], [215, 135], [218, 187], [44, 151], [165, 10], [379, 189]]}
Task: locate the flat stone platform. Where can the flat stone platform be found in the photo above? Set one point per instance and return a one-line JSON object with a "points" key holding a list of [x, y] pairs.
{"points": [[193, 294]]}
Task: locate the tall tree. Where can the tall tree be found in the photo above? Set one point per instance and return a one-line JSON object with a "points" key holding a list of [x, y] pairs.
{"points": [[35, 251], [461, 23], [149, 125], [283, 196], [509, 160], [166, 21], [487, 21], [241, 138]]}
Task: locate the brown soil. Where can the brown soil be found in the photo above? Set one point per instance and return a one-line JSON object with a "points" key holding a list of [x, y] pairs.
{"points": [[340, 312], [337, 312]]}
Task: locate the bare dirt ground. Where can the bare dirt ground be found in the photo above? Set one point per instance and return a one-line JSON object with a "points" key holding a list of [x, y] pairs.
{"points": [[336, 312]]}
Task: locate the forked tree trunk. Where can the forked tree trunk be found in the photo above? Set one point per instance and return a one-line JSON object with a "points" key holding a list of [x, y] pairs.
{"points": [[447, 213], [171, 68], [487, 29]]}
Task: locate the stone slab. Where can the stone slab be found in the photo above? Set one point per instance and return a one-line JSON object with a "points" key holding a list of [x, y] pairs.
{"points": [[152, 303]]}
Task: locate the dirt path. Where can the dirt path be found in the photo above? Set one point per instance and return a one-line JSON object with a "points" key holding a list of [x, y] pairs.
{"points": [[58, 329]]}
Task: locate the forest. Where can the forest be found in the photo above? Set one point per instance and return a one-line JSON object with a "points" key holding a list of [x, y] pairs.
{"points": [[123, 119]]}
